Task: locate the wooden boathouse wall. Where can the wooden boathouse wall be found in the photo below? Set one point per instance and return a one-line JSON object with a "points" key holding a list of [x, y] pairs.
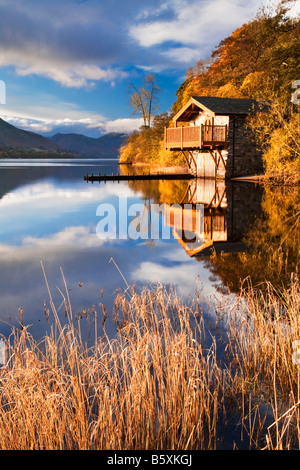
{"points": [[214, 138]]}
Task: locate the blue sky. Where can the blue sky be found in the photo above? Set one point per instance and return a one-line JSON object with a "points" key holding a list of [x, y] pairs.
{"points": [[67, 64]]}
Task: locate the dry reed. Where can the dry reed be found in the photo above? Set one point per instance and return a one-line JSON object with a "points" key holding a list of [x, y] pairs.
{"points": [[158, 383], [151, 387], [263, 367]]}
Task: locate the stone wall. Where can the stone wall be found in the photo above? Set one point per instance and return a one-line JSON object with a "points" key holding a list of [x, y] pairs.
{"points": [[244, 157], [205, 165]]}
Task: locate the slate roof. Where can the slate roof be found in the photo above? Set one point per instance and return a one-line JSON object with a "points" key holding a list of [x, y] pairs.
{"points": [[228, 106]]}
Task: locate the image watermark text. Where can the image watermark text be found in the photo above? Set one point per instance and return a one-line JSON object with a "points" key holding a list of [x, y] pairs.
{"points": [[2, 92], [152, 221], [296, 94]]}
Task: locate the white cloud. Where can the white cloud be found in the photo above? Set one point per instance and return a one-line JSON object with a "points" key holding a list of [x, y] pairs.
{"points": [[76, 76], [182, 54], [295, 10], [44, 62], [181, 275], [194, 24], [66, 241], [70, 237], [122, 125], [28, 198], [80, 121], [73, 43], [78, 43]]}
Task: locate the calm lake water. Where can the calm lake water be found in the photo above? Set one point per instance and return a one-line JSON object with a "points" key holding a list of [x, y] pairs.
{"points": [[49, 215]]}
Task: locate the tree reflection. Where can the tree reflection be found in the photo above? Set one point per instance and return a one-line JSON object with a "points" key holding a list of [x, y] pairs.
{"points": [[274, 239], [261, 226]]}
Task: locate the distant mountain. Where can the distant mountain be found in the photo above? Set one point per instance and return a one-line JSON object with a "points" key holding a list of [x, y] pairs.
{"points": [[106, 146], [11, 136]]}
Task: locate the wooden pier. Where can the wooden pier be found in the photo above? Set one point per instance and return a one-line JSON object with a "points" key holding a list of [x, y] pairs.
{"points": [[150, 176]]}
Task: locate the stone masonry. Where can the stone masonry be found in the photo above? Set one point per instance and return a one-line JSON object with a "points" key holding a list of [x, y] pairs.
{"points": [[244, 158]]}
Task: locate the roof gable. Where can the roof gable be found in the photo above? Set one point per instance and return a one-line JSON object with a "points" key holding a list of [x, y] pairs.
{"points": [[216, 106], [228, 105]]}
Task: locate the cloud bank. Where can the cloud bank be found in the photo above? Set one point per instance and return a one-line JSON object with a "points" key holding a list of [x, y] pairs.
{"points": [[78, 43], [92, 125]]}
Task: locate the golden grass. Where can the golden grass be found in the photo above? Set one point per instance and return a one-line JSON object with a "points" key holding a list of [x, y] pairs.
{"points": [[151, 387], [158, 384], [262, 336]]}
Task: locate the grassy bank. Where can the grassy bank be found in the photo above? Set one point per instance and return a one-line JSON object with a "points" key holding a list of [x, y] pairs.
{"points": [[159, 383], [146, 146]]}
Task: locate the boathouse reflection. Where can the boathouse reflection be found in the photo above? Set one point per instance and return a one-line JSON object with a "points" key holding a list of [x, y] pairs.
{"points": [[228, 210]]}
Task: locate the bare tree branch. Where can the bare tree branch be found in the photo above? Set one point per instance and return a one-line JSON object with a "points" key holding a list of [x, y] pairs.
{"points": [[144, 99]]}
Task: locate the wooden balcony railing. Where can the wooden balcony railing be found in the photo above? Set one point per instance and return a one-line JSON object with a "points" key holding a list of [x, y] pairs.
{"points": [[196, 137]]}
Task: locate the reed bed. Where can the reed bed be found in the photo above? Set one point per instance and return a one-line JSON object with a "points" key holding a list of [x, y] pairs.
{"points": [[158, 384], [264, 364], [151, 387]]}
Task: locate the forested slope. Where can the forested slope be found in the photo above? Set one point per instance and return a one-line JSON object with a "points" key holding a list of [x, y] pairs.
{"points": [[259, 60]]}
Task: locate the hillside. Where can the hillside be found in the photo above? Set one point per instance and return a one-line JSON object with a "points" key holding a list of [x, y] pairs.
{"points": [[106, 146], [260, 61], [11, 136], [15, 141]]}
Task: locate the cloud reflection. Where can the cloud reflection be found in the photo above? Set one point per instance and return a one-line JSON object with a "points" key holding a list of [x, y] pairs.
{"points": [[54, 221], [52, 192]]}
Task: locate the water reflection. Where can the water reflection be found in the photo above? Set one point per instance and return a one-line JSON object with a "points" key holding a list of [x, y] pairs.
{"points": [[275, 241], [197, 237], [48, 215], [229, 212], [250, 231]]}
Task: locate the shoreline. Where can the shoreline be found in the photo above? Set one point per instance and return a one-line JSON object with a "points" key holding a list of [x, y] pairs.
{"points": [[184, 170], [154, 168], [257, 179]]}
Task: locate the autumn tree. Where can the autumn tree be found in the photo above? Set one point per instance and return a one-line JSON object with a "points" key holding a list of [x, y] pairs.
{"points": [[146, 146], [259, 60], [144, 99]]}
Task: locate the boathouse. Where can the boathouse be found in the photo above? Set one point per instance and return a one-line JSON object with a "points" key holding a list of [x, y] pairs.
{"points": [[211, 132]]}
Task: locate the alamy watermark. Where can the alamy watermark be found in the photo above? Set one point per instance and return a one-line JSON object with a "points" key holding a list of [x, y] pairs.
{"points": [[149, 222], [2, 352], [2, 92], [296, 353], [296, 94]]}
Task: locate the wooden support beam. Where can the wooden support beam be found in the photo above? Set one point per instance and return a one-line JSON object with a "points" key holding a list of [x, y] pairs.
{"points": [[186, 159], [181, 136], [213, 157], [194, 161], [221, 157], [217, 199]]}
